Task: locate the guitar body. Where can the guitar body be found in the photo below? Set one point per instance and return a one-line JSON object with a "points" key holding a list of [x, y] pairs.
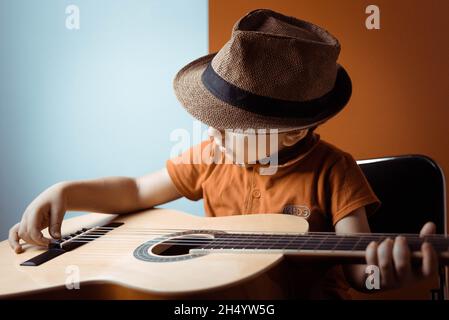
{"points": [[132, 264]]}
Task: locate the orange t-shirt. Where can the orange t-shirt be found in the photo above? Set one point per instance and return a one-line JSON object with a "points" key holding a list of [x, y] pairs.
{"points": [[321, 183]]}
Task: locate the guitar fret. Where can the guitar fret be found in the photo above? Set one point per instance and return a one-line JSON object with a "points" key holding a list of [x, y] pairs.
{"points": [[265, 243], [274, 243], [245, 241], [346, 243], [284, 241], [438, 245], [310, 243], [253, 244], [318, 246], [256, 244], [414, 245], [337, 243], [208, 245], [328, 245], [362, 244], [297, 242], [232, 241], [292, 238], [217, 243], [355, 245]]}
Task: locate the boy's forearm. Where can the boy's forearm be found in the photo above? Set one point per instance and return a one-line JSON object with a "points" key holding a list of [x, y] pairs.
{"points": [[109, 195]]}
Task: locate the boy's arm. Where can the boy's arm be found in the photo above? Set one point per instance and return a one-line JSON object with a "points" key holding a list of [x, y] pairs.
{"points": [[392, 256], [119, 194], [108, 195]]}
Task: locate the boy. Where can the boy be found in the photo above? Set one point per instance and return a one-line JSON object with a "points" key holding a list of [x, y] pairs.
{"points": [[279, 74]]}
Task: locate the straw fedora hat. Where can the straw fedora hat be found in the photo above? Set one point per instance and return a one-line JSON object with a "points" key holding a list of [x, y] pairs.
{"points": [[276, 71]]}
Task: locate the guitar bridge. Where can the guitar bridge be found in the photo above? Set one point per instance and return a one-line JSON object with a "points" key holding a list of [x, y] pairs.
{"points": [[71, 242]]}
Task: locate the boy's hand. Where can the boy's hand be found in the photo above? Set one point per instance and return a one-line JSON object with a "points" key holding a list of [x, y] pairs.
{"points": [[129, 194], [393, 259], [47, 210]]}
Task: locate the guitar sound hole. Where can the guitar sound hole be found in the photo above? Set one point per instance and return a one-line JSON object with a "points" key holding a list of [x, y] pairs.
{"points": [[180, 246]]}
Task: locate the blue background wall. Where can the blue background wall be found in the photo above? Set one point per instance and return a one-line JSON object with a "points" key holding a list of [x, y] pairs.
{"points": [[93, 102]]}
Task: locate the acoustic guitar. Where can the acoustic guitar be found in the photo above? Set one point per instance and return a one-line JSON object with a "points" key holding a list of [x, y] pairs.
{"points": [[163, 253]]}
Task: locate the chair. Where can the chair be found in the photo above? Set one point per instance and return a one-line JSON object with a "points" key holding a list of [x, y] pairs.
{"points": [[412, 191]]}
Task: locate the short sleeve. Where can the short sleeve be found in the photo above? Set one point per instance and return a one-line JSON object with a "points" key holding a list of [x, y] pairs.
{"points": [[190, 170], [349, 189]]}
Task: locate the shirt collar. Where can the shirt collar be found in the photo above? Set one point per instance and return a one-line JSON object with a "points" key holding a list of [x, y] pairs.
{"points": [[299, 151], [291, 155]]}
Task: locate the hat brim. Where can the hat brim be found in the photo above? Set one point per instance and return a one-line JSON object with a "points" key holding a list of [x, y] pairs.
{"points": [[207, 108]]}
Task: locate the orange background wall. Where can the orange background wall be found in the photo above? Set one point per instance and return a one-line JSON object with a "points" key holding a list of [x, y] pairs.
{"points": [[399, 73]]}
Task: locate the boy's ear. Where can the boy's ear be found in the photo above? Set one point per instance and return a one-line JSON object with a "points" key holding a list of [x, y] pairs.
{"points": [[292, 137]]}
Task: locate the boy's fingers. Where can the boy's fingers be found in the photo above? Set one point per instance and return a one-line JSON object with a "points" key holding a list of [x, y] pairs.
{"points": [[429, 260], [402, 259], [385, 257], [428, 228], [38, 238], [22, 232], [371, 254], [56, 216], [429, 255], [34, 223], [14, 240]]}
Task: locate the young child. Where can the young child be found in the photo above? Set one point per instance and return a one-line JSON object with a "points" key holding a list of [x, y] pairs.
{"points": [[279, 74]]}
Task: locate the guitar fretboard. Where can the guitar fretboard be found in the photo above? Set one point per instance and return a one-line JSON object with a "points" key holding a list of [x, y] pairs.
{"points": [[317, 241]]}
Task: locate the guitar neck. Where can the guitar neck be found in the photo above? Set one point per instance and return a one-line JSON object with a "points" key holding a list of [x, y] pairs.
{"points": [[342, 248]]}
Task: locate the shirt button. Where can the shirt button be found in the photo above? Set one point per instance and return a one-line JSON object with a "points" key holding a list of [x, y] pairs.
{"points": [[256, 194]]}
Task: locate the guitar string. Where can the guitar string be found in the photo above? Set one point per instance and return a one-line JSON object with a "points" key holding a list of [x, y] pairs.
{"points": [[305, 245], [122, 236], [246, 238], [260, 235], [235, 239], [129, 236], [239, 251], [243, 250], [239, 241], [239, 234], [243, 234], [310, 246], [256, 231], [324, 238]]}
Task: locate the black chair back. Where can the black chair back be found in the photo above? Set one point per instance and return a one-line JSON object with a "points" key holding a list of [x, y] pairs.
{"points": [[412, 191]]}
